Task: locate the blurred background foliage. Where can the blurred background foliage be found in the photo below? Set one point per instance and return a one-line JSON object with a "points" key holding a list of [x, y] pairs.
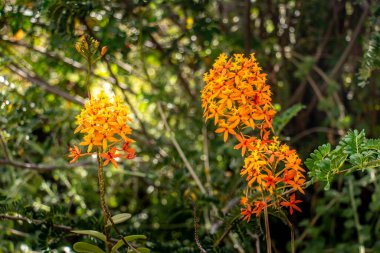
{"points": [[322, 60]]}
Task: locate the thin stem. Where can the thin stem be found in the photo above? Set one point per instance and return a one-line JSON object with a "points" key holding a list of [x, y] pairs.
{"points": [[196, 237], [206, 159], [267, 231], [102, 201], [371, 164], [106, 212], [291, 235], [356, 217], [89, 61]]}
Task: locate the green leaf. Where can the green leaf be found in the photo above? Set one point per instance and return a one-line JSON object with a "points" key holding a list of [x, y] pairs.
{"points": [[319, 154], [319, 164], [371, 59], [373, 144], [119, 218], [128, 238], [84, 247], [141, 250], [353, 142], [92, 233], [281, 120]]}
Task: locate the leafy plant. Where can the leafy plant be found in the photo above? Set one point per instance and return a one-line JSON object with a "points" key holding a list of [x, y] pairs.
{"points": [[88, 247], [354, 152]]}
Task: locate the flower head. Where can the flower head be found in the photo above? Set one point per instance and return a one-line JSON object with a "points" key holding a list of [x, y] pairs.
{"points": [[103, 121], [236, 95]]}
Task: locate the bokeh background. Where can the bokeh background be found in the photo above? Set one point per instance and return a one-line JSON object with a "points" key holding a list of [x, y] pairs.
{"points": [[321, 57]]}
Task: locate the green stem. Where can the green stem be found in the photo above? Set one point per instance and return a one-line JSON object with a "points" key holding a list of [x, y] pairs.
{"points": [[89, 67], [103, 202], [356, 217], [106, 212], [371, 164]]}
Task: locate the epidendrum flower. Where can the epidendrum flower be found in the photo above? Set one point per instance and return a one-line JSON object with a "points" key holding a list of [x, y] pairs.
{"points": [[237, 97], [103, 121]]}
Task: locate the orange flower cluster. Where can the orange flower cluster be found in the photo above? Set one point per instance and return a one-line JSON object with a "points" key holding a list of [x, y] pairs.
{"points": [[104, 125], [237, 97]]}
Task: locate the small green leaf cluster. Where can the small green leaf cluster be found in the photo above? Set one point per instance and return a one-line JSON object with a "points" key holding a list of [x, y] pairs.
{"points": [[354, 152], [84, 247]]}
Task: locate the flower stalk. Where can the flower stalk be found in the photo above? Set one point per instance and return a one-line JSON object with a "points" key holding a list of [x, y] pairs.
{"points": [[103, 121], [102, 201]]}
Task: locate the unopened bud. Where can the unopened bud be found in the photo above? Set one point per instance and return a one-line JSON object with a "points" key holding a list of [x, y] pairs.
{"points": [[103, 51]]}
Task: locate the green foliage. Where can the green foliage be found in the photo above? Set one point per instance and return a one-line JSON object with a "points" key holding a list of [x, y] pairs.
{"points": [[129, 238], [371, 57], [84, 247], [93, 233], [281, 120], [354, 152], [119, 218]]}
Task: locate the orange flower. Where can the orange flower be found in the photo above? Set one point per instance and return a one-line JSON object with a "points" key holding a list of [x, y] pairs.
{"points": [[243, 201], [89, 141], [247, 213], [259, 206], [288, 176], [103, 121], [292, 204], [225, 129], [110, 157], [75, 153], [130, 153], [244, 143], [271, 181]]}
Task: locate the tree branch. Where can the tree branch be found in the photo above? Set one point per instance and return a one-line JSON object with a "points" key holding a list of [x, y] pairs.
{"points": [[43, 168], [353, 39], [33, 78], [34, 221]]}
